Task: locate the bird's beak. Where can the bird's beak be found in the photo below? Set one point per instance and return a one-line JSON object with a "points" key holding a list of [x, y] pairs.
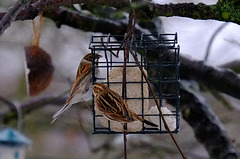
{"points": [[99, 56]]}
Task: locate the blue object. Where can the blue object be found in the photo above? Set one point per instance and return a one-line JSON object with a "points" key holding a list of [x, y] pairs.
{"points": [[16, 155], [12, 137]]}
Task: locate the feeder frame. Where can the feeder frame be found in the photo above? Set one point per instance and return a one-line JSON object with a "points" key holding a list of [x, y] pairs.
{"points": [[167, 70]]}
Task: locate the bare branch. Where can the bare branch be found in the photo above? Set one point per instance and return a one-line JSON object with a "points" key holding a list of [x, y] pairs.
{"points": [[11, 14], [233, 65], [29, 106], [213, 37], [198, 114], [223, 80], [145, 10], [8, 103], [33, 10], [86, 23], [206, 125]]}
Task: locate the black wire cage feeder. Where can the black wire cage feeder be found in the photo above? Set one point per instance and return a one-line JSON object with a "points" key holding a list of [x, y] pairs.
{"points": [[158, 55]]}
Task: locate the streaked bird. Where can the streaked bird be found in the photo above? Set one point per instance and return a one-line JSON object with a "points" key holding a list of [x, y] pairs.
{"points": [[114, 107], [81, 88]]}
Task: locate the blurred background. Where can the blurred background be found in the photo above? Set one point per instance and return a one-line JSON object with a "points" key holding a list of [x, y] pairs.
{"points": [[70, 137]]}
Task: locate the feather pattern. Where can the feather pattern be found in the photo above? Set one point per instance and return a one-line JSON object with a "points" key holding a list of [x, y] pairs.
{"points": [[113, 106], [81, 88]]}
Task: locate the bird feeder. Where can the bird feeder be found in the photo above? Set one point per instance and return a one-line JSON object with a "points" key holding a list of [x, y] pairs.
{"points": [[13, 144], [158, 56]]}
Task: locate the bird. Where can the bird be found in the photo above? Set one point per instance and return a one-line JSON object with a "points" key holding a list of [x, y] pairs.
{"points": [[81, 88], [113, 106]]}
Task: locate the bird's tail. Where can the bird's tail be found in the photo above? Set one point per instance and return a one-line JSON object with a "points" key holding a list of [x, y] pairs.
{"points": [[149, 123], [136, 117], [58, 113]]}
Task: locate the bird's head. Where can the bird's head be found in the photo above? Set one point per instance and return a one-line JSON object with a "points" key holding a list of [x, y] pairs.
{"points": [[98, 87], [89, 56]]}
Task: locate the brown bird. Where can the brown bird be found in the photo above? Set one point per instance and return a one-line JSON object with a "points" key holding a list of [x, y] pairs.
{"points": [[113, 106], [81, 89]]}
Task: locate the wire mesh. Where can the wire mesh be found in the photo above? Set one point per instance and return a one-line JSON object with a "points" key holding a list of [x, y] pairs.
{"points": [[162, 71]]}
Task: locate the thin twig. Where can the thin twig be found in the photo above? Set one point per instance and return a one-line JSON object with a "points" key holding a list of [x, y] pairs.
{"points": [[8, 103], [31, 105], [212, 40], [11, 14], [124, 97], [131, 25], [155, 99], [125, 140], [116, 55], [18, 110], [85, 103], [130, 28]]}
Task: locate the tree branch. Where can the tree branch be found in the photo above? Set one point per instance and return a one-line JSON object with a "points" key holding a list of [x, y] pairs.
{"points": [[213, 37], [33, 10], [28, 106], [11, 14], [206, 125], [85, 23], [223, 10], [223, 80], [198, 114], [233, 65]]}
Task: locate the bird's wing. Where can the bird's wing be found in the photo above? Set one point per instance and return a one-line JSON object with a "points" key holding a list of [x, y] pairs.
{"points": [[112, 103], [84, 71], [105, 103], [120, 103], [83, 66], [117, 117]]}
